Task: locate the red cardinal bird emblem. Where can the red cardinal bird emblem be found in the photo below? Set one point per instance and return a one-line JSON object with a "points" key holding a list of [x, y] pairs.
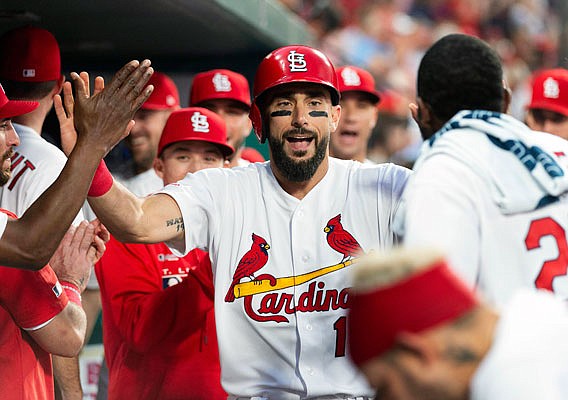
{"points": [[252, 261], [340, 240]]}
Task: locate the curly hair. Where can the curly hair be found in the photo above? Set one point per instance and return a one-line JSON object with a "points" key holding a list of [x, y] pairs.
{"points": [[460, 72]]}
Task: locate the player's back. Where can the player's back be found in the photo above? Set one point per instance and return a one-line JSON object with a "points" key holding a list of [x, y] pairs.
{"points": [[523, 250]]}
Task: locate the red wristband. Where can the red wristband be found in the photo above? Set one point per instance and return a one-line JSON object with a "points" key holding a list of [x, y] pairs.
{"points": [[102, 181], [72, 291]]}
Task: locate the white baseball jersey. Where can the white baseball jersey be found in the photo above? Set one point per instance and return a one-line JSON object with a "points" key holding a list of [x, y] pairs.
{"points": [[144, 184], [527, 359], [35, 166], [471, 196], [283, 337]]}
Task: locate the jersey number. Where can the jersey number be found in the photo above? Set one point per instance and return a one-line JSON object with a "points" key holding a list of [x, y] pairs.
{"points": [[340, 328], [552, 268]]}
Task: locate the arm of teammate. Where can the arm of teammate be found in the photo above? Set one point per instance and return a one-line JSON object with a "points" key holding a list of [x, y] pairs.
{"points": [[145, 314], [130, 219], [102, 121], [67, 378], [72, 263]]}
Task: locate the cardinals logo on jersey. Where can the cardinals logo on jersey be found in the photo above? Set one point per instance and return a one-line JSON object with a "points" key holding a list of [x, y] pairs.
{"points": [[340, 240], [251, 262]]}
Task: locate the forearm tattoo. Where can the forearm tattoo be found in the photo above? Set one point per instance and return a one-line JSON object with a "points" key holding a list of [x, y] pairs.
{"points": [[177, 222]]}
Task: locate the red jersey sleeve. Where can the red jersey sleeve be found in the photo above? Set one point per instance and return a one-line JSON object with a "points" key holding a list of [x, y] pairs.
{"points": [[31, 297]]}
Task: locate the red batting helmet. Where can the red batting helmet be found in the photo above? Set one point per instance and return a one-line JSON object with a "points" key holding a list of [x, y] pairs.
{"points": [[290, 64]]}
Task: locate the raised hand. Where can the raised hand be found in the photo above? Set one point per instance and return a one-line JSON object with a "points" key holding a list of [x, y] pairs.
{"points": [[105, 118], [75, 256], [64, 110]]}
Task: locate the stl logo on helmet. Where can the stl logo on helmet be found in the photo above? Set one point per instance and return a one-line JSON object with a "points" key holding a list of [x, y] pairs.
{"points": [[350, 77], [199, 122], [221, 83], [551, 89], [297, 62]]}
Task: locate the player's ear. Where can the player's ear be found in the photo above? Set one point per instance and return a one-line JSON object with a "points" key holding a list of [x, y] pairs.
{"points": [[507, 96], [159, 167], [335, 116], [422, 113]]}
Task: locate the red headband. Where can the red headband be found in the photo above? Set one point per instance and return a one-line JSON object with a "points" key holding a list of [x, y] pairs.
{"points": [[423, 300]]}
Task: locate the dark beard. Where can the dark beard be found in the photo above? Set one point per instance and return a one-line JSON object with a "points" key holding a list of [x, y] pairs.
{"points": [[297, 171], [5, 174]]}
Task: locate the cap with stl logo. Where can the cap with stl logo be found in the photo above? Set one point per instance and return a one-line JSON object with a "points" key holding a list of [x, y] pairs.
{"points": [[165, 95], [195, 123], [355, 79], [550, 91], [29, 54], [219, 84], [13, 108]]}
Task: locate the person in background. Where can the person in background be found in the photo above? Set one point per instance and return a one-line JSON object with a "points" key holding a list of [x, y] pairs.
{"points": [[138, 175], [31, 70], [227, 93], [359, 100], [548, 109]]}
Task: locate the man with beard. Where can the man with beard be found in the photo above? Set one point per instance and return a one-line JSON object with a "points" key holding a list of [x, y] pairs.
{"points": [[359, 112], [486, 189], [265, 227]]}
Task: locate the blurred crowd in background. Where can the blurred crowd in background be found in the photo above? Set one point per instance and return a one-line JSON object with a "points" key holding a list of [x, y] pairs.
{"points": [[389, 37]]}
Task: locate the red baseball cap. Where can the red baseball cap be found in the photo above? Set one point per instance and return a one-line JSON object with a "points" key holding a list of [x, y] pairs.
{"points": [[13, 108], [195, 123], [550, 90], [165, 95], [354, 79], [219, 84], [29, 54]]}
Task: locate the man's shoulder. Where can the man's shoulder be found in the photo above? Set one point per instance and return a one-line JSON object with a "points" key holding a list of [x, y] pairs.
{"points": [[35, 148]]}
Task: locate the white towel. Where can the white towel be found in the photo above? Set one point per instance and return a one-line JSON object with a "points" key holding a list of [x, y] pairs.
{"points": [[524, 169]]}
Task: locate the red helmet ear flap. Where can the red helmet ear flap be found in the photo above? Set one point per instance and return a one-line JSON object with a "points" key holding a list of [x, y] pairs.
{"points": [[256, 118]]}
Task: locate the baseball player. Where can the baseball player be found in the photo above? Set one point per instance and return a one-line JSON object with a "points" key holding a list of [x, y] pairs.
{"points": [[41, 314], [281, 236], [227, 93], [30, 241], [139, 176], [359, 112], [487, 190], [548, 109], [31, 70], [158, 319], [418, 332]]}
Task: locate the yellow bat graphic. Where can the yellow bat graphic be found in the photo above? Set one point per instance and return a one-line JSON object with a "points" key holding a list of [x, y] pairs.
{"points": [[263, 286]]}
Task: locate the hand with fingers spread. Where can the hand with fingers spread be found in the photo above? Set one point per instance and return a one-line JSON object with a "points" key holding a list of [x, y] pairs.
{"points": [[105, 118], [75, 256], [64, 110]]}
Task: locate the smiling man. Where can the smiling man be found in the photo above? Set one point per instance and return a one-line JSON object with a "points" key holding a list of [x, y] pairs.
{"points": [[266, 227], [359, 112]]}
